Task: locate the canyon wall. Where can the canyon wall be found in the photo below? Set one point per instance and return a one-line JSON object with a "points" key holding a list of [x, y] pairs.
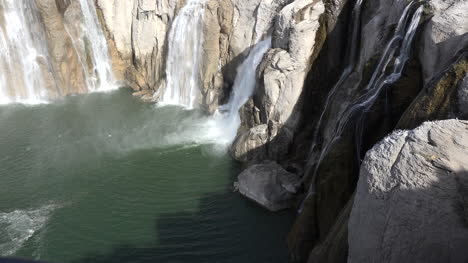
{"points": [[340, 76]]}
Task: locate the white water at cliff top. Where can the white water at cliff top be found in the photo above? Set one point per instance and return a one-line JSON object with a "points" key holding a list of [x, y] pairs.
{"points": [[184, 56]]}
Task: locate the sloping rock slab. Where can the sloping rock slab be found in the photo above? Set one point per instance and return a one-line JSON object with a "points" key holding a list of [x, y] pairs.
{"points": [[411, 203]]}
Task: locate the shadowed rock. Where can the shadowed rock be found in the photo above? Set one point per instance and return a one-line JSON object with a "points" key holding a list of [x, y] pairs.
{"points": [[269, 185]]}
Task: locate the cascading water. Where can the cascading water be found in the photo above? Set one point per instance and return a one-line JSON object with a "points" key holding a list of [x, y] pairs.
{"points": [[221, 128], [23, 54], [27, 74], [102, 78], [243, 89], [185, 56], [383, 80], [351, 55], [401, 41]]}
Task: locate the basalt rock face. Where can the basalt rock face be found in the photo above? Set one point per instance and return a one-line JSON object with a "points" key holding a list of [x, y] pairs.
{"points": [[443, 98], [444, 36], [323, 58], [299, 33], [69, 75], [137, 32], [426, 90], [51, 49], [411, 199], [231, 29]]}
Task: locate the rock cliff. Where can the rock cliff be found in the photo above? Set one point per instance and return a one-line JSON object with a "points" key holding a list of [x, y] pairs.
{"points": [[339, 77], [137, 32]]}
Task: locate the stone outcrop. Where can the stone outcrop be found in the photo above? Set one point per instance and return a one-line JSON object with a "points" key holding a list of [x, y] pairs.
{"points": [[444, 36], [231, 29], [67, 75], [443, 98], [269, 185], [411, 199], [137, 31], [60, 42], [299, 34]]}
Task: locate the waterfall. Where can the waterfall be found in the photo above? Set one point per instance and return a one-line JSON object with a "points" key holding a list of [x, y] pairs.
{"points": [[400, 42], [27, 73], [388, 79], [23, 53], [242, 89], [351, 57], [185, 56], [102, 78]]}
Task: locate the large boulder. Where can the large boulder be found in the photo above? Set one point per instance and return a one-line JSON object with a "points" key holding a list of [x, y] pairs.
{"points": [[444, 36], [269, 185], [411, 202]]}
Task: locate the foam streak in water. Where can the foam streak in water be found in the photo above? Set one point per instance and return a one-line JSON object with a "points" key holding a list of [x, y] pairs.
{"points": [[184, 56], [19, 226]]}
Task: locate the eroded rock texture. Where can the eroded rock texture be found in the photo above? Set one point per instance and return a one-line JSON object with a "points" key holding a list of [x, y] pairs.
{"points": [[411, 199], [299, 33], [426, 90], [137, 31], [69, 76], [299, 101]]}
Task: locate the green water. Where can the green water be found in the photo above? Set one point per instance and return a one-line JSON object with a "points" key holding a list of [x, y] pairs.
{"points": [[107, 178]]}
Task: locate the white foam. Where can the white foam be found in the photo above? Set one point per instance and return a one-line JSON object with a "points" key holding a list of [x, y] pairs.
{"points": [[19, 226]]}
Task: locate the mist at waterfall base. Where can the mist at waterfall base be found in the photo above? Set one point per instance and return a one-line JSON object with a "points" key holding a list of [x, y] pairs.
{"points": [[221, 128], [227, 117], [106, 178]]}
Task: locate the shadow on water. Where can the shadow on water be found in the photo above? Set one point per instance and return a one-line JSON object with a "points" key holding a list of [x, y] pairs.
{"points": [[218, 232]]}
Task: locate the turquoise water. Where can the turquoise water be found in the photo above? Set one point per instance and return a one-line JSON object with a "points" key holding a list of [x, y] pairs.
{"points": [[107, 178]]}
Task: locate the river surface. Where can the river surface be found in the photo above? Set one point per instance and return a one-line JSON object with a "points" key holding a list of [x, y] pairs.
{"points": [[105, 177]]}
